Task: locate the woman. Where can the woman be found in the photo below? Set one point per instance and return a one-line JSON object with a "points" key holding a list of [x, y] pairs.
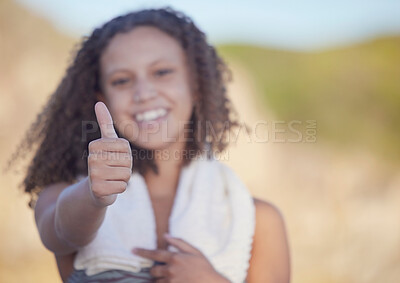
{"points": [[156, 88]]}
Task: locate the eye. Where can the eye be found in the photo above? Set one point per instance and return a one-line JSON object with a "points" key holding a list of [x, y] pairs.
{"points": [[163, 72], [118, 82]]}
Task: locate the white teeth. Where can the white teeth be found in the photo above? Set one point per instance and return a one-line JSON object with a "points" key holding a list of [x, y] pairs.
{"points": [[151, 115]]}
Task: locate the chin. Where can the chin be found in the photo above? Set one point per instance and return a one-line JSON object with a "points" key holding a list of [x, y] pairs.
{"points": [[154, 143], [151, 145]]}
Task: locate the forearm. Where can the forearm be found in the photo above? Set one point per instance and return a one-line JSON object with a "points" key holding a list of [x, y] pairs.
{"points": [[76, 217]]}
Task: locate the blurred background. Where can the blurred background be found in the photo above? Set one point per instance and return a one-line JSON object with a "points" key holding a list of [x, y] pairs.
{"points": [[335, 63]]}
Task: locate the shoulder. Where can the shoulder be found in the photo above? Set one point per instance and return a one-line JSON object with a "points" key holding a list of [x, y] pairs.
{"points": [[270, 222], [267, 214], [47, 200], [50, 193], [270, 252]]}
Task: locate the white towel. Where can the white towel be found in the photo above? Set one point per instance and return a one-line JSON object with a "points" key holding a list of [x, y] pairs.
{"points": [[212, 210]]}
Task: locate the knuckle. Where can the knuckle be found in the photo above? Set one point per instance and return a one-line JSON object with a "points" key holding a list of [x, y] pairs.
{"points": [[126, 174], [95, 173], [125, 144], [123, 141], [102, 189], [96, 188], [92, 159], [127, 158], [92, 173], [174, 257], [170, 271], [93, 145], [110, 156]]}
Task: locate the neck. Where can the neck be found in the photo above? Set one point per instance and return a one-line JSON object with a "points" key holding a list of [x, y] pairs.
{"points": [[169, 164]]}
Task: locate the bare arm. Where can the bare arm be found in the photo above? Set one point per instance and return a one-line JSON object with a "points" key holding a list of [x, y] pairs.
{"points": [[270, 261], [65, 264], [68, 216]]}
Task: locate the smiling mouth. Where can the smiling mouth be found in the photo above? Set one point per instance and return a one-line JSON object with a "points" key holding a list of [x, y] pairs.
{"points": [[151, 115]]}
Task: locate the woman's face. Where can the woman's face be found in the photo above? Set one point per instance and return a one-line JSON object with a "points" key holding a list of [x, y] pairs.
{"points": [[146, 86]]}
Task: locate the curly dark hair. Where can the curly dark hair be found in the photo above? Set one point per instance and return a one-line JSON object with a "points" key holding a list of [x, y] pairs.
{"points": [[56, 134]]}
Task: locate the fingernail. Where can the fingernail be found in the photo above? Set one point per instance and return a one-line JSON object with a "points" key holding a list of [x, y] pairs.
{"points": [[166, 235], [135, 250]]}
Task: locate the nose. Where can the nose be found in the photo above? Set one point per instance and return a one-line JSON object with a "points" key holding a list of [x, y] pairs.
{"points": [[143, 91]]}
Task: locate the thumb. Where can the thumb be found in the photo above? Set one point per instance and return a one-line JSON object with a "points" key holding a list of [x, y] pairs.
{"points": [[105, 121]]}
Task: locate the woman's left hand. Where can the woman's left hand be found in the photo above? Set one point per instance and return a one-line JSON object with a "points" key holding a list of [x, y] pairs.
{"points": [[187, 265]]}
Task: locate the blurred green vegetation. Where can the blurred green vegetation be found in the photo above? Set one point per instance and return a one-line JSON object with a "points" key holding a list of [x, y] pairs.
{"points": [[352, 92]]}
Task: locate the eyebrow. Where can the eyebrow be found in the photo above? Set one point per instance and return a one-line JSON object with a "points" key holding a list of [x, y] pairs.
{"points": [[122, 69], [157, 61]]}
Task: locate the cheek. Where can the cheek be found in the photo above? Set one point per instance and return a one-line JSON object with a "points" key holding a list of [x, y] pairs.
{"points": [[184, 106], [117, 98], [183, 99], [117, 107]]}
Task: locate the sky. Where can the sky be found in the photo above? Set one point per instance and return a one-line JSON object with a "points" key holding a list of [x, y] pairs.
{"points": [[303, 25]]}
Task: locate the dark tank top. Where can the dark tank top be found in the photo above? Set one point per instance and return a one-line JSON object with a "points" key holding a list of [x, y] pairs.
{"points": [[116, 276], [119, 276]]}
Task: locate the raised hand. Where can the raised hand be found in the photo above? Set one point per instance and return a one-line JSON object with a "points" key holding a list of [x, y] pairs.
{"points": [[109, 161]]}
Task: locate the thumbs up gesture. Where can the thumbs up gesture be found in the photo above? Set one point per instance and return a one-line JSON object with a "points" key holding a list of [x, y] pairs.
{"points": [[109, 161]]}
